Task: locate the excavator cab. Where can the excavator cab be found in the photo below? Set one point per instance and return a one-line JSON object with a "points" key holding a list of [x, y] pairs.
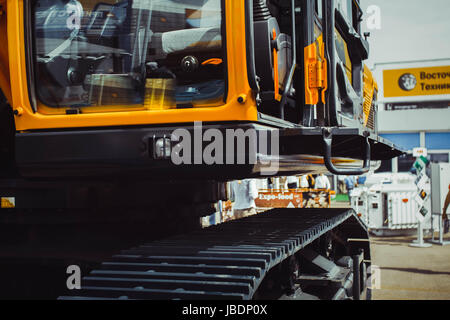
{"points": [[304, 58]]}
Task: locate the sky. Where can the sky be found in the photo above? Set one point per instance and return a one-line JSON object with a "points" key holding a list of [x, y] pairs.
{"points": [[410, 30]]}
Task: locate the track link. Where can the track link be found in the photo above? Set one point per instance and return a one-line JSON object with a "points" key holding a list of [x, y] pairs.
{"points": [[227, 261]]}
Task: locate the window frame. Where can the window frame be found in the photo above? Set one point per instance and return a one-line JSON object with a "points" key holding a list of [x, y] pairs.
{"points": [[31, 64]]}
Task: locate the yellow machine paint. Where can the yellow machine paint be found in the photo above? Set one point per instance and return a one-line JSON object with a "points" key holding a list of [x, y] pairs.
{"points": [[370, 93], [315, 71], [7, 202], [342, 49], [315, 66]]}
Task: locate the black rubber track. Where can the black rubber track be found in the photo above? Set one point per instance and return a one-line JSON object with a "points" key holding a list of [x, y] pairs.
{"points": [[228, 261]]}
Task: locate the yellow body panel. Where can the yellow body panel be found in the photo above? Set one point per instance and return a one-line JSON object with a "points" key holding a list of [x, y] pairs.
{"points": [[347, 63], [315, 66], [370, 88], [231, 110]]}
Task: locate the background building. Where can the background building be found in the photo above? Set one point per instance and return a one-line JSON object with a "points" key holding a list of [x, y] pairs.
{"points": [[414, 109]]}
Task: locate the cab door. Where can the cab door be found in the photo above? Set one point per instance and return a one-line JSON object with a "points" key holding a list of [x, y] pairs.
{"points": [[346, 50], [315, 65]]}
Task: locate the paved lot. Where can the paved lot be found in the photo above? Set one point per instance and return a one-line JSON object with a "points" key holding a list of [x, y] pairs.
{"points": [[409, 273]]}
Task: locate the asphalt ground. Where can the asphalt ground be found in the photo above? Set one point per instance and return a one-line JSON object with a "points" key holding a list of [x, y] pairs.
{"points": [[409, 273]]}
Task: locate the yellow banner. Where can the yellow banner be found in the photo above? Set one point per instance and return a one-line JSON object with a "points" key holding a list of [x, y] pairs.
{"points": [[416, 82]]}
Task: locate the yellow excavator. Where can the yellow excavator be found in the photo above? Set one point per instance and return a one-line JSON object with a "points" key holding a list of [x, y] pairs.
{"points": [[123, 120]]}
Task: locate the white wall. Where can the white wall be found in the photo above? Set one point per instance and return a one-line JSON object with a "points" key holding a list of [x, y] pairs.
{"points": [[428, 120]]}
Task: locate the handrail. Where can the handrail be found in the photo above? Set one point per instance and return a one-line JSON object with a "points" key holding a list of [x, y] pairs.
{"points": [[327, 154]]}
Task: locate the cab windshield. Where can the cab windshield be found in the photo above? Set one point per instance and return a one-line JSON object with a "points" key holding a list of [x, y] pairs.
{"points": [[158, 54]]}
